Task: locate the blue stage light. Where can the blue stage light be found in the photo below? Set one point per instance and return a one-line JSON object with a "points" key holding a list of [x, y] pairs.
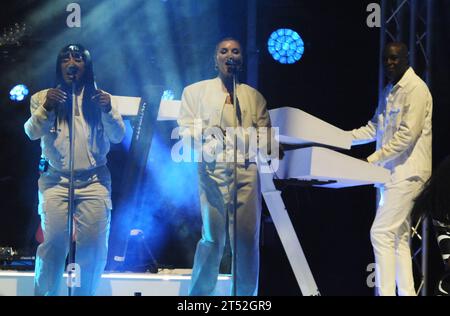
{"points": [[168, 95], [285, 46], [18, 92]]}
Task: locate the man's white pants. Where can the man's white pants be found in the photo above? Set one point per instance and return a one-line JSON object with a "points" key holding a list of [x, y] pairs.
{"points": [[92, 208], [390, 234]]}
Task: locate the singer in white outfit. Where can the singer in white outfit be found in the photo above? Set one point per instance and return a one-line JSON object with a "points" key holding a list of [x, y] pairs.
{"points": [[401, 127], [97, 123], [211, 103]]}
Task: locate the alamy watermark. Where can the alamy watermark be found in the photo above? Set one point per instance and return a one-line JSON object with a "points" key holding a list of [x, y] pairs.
{"points": [[214, 144], [370, 280], [73, 275], [74, 18], [374, 17]]}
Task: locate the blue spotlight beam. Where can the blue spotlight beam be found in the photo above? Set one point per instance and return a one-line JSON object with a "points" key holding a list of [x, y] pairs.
{"points": [[134, 171]]}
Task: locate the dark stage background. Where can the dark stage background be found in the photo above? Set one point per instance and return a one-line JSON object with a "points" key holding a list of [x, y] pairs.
{"points": [[140, 46]]}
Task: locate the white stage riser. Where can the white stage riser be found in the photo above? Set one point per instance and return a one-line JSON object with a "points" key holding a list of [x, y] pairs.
{"points": [[14, 283]]}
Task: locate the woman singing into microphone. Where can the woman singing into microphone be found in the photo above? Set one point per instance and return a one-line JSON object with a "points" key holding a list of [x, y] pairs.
{"points": [[211, 103]]}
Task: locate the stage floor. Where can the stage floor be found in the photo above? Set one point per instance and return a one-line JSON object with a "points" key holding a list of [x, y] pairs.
{"points": [[164, 283]]}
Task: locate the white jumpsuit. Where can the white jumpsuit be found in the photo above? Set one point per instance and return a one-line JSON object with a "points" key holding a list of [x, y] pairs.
{"points": [[206, 101], [92, 199]]}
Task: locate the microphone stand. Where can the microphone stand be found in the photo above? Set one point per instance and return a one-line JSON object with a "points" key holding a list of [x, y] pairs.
{"points": [[234, 262], [71, 256]]}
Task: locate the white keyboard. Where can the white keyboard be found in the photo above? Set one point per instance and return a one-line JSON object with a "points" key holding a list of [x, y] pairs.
{"points": [[326, 165]]}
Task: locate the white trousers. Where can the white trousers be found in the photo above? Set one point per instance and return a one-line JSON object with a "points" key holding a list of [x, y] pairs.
{"points": [[92, 206], [390, 235], [216, 199]]}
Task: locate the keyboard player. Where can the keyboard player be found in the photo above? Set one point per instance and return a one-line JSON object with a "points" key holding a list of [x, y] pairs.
{"points": [[401, 128]]}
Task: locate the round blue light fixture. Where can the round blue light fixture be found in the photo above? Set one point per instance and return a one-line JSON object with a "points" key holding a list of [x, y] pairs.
{"points": [[18, 92], [168, 95], [285, 46]]}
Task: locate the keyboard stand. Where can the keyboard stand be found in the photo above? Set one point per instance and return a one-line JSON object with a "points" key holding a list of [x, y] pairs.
{"points": [[286, 232]]}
